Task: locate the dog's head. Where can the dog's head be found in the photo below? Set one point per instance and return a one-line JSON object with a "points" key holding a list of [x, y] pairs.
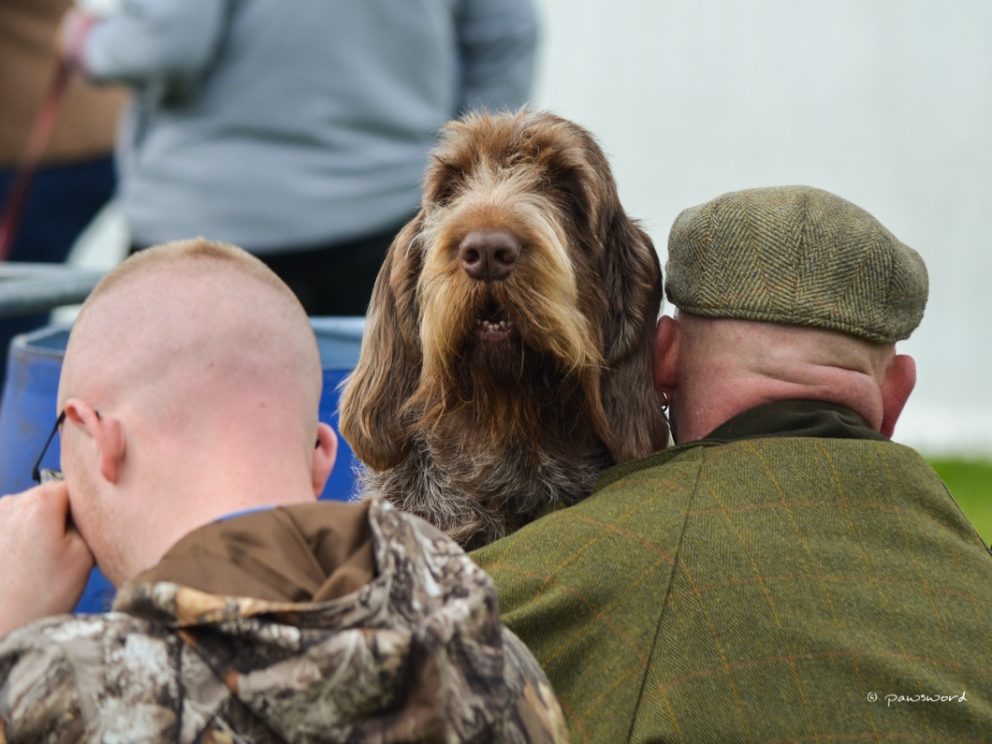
{"points": [[520, 285]]}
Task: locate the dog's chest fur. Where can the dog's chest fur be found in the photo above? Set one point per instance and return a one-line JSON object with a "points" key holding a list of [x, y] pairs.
{"points": [[486, 492]]}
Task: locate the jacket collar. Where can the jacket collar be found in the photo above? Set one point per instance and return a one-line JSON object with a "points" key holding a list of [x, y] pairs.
{"points": [[794, 418], [786, 418]]}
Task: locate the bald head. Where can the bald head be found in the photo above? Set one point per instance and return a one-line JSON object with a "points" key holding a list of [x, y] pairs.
{"points": [[189, 329], [191, 385]]}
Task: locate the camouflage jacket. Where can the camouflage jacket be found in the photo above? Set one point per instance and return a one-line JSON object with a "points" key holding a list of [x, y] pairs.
{"points": [[417, 653]]}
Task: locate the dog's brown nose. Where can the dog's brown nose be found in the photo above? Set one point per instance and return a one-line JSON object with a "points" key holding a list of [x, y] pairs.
{"points": [[489, 255]]}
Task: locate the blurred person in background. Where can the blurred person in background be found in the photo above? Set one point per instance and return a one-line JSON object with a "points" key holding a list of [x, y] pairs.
{"points": [[299, 134], [76, 177]]}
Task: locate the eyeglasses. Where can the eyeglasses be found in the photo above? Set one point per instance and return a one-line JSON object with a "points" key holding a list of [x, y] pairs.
{"points": [[38, 473], [44, 475]]}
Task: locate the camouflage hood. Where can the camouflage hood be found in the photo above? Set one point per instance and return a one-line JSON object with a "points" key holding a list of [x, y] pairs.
{"points": [[417, 653]]}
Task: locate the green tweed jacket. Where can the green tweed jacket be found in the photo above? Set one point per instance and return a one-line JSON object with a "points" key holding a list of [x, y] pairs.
{"points": [[793, 578]]}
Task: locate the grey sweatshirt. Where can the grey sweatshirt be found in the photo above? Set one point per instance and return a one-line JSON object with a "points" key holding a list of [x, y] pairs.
{"points": [[285, 124]]}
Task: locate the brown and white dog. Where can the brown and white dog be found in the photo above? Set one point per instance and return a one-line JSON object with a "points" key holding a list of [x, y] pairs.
{"points": [[507, 352]]}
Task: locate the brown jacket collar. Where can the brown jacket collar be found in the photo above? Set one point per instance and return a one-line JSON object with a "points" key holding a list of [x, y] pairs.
{"points": [[301, 553]]}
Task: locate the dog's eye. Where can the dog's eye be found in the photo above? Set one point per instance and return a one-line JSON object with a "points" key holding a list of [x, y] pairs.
{"points": [[442, 196], [571, 192], [443, 182]]}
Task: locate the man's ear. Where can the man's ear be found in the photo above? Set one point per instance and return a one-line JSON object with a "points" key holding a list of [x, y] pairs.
{"points": [[323, 457], [899, 381], [106, 433], [667, 339]]}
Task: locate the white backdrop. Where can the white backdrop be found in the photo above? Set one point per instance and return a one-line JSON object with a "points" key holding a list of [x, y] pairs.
{"points": [[887, 103]]}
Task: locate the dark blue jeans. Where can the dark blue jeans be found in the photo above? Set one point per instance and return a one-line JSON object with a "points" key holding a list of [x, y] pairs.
{"points": [[63, 200]]}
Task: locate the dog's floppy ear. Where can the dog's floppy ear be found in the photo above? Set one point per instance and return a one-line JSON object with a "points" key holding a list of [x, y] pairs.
{"points": [[632, 286], [388, 368]]}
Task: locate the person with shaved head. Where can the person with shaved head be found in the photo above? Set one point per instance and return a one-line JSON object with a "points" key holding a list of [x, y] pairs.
{"points": [[246, 610]]}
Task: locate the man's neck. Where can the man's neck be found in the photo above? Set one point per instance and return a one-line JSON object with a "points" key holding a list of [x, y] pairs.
{"points": [[718, 406], [726, 367]]}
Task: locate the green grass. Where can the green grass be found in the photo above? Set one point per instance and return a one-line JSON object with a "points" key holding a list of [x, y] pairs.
{"points": [[970, 483]]}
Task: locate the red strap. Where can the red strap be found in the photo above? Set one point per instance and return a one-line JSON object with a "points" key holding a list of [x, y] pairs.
{"points": [[41, 133]]}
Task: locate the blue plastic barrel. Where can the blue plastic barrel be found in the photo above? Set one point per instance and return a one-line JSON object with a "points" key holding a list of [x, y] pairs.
{"points": [[27, 414], [27, 409], [340, 341]]}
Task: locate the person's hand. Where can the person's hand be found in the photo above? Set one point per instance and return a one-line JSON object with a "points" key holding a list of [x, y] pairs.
{"points": [[45, 561], [74, 27]]}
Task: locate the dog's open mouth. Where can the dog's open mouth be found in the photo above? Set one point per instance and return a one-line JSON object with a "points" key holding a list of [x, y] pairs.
{"points": [[493, 325]]}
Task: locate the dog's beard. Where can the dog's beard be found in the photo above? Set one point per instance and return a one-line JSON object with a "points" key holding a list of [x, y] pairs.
{"points": [[497, 350], [502, 358], [506, 435]]}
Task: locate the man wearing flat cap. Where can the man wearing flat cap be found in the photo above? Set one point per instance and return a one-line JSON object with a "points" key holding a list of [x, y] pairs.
{"points": [[785, 572]]}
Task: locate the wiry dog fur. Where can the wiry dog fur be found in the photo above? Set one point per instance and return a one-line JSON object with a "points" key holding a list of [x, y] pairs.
{"points": [[480, 432]]}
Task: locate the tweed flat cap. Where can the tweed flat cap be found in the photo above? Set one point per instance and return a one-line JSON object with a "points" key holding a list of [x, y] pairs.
{"points": [[799, 256]]}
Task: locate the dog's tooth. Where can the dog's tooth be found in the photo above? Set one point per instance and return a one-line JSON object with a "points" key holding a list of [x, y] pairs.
{"points": [[486, 325]]}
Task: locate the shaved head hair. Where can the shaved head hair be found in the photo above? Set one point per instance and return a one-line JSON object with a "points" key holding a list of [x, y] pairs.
{"points": [[184, 325], [191, 386]]}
